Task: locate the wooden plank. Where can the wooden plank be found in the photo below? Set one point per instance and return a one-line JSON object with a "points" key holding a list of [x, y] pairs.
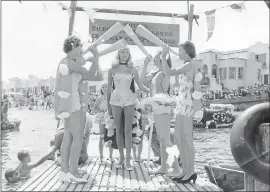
{"points": [[127, 182], [140, 178], [72, 186], [53, 181], [134, 182], [114, 11], [203, 184], [32, 180], [40, 179], [112, 179], [154, 178], [105, 177], [65, 185], [119, 180], [47, 181], [93, 169], [165, 182], [148, 178], [91, 164], [98, 175]]}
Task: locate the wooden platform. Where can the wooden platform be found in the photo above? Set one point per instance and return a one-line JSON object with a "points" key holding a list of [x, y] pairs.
{"points": [[104, 177]]}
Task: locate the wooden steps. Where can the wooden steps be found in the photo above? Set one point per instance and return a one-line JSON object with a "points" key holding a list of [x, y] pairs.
{"points": [[102, 176]]}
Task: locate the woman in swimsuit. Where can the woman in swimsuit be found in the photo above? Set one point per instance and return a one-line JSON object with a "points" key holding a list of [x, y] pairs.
{"points": [[71, 103], [188, 107], [121, 101], [159, 82]]}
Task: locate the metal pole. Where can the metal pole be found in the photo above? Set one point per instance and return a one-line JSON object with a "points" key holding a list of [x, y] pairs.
{"points": [[72, 17]]}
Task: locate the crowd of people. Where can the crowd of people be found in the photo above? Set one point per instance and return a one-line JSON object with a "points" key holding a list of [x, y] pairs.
{"points": [[257, 90], [121, 116]]}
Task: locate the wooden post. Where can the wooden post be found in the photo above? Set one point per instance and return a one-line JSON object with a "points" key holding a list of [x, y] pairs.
{"points": [[72, 17], [262, 144], [190, 20]]}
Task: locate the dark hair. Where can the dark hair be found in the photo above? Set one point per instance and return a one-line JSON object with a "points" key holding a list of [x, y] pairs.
{"points": [[189, 47], [70, 43], [9, 174], [22, 154]]}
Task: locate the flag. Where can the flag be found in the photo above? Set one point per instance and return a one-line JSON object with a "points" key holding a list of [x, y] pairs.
{"points": [[210, 20], [44, 7], [238, 6], [267, 3], [90, 13]]}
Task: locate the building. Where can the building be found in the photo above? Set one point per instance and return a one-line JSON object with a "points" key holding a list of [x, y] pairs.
{"points": [[235, 69], [31, 84]]}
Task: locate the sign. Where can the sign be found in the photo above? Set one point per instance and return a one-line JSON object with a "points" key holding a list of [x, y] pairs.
{"points": [[168, 33]]}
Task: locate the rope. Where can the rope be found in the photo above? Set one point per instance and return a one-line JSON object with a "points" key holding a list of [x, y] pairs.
{"points": [[200, 13]]}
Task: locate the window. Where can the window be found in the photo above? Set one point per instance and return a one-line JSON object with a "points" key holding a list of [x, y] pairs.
{"points": [[240, 73], [257, 57], [220, 73], [232, 71], [259, 75], [224, 74]]}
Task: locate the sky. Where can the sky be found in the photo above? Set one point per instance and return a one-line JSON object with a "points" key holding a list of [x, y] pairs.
{"points": [[32, 37]]}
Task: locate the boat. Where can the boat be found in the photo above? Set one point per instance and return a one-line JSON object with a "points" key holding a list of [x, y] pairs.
{"points": [[227, 177]]}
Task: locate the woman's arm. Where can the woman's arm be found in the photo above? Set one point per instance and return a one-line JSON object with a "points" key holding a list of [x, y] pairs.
{"points": [[109, 91], [78, 66], [180, 70], [172, 72], [138, 81], [145, 79]]}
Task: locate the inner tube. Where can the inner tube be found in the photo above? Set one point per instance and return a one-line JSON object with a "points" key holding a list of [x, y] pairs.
{"points": [[242, 142]]}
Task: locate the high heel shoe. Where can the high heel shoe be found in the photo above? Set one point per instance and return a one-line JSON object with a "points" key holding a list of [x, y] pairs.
{"points": [[192, 177], [119, 166], [129, 168], [177, 178], [70, 178]]}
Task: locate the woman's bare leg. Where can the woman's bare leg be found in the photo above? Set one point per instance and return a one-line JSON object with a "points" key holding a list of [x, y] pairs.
{"points": [[78, 137], [117, 112], [111, 153], [66, 145], [129, 114], [187, 154], [163, 122], [177, 172], [101, 137]]}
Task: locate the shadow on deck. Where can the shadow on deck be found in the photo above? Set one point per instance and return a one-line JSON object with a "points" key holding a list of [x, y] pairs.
{"points": [[103, 176]]}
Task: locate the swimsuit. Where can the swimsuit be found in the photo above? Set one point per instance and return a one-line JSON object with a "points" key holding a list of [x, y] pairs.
{"points": [[122, 95], [100, 115]]}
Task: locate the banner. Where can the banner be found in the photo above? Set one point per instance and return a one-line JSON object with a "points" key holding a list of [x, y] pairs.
{"points": [[238, 7], [210, 19], [168, 33]]}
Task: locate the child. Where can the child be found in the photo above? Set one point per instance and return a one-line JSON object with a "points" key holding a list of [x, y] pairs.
{"points": [[100, 107], [12, 176], [142, 122], [24, 169]]}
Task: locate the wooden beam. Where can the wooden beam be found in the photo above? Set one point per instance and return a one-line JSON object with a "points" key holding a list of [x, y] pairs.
{"points": [[145, 13], [190, 22], [72, 18]]}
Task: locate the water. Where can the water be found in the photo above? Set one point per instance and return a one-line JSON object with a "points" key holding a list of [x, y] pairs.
{"points": [[38, 128]]}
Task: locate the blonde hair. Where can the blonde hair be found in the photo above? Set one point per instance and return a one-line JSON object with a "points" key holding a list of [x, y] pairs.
{"points": [[101, 85], [117, 58]]}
